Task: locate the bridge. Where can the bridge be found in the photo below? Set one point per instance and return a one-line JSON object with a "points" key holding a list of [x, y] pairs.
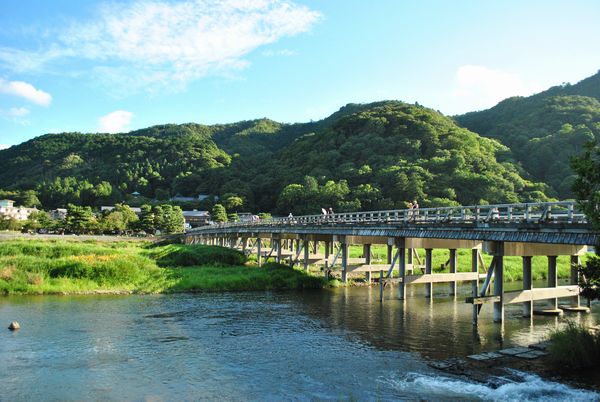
{"points": [[548, 229]]}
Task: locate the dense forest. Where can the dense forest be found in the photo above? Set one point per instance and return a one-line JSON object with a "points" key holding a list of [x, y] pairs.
{"points": [[363, 157], [544, 131]]}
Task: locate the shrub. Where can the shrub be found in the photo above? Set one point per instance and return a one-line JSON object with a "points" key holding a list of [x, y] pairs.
{"points": [[179, 255], [574, 347], [34, 278], [7, 273]]}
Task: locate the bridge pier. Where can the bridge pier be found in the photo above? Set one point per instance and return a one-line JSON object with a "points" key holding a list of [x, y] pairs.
{"points": [[306, 249], [574, 279], [259, 251], [345, 250], [527, 285], [401, 245], [367, 255], [498, 315], [552, 280], [453, 263], [277, 245], [428, 271], [475, 283]]}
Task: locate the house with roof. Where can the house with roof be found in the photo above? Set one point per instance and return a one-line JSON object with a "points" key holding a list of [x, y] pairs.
{"points": [[9, 211], [196, 218]]}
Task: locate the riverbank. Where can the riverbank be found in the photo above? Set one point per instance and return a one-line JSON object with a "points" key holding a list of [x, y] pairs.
{"points": [[96, 267]]}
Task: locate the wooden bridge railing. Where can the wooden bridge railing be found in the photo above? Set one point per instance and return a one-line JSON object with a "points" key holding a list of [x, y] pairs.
{"points": [[536, 213]]}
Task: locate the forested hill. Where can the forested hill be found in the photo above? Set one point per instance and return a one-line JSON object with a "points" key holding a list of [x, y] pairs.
{"points": [[369, 156], [544, 130]]}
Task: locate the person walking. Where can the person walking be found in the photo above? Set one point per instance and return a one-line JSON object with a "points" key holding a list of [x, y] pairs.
{"points": [[415, 205]]}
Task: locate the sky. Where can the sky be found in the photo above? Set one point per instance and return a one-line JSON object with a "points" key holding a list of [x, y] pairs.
{"points": [[98, 66]]}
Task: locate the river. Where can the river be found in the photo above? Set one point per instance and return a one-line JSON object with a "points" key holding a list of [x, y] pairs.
{"points": [[335, 344]]}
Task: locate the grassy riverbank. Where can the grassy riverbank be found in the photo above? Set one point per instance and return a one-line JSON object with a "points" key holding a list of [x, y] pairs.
{"points": [[59, 267]]}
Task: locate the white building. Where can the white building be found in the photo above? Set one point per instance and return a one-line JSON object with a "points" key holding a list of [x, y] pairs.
{"points": [[8, 211]]}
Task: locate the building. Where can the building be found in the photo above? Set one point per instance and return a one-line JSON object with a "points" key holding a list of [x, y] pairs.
{"points": [[59, 214], [181, 198], [245, 216], [196, 218], [106, 208], [9, 211]]}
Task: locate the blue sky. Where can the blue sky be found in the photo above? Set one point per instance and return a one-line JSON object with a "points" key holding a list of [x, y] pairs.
{"points": [[94, 66]]}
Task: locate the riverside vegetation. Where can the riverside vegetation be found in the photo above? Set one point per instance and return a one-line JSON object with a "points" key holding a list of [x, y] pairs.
{"points": [[63, 267]]}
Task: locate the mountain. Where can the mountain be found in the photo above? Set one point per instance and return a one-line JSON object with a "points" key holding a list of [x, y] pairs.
{"points": [[365, 156], [544, 130]]}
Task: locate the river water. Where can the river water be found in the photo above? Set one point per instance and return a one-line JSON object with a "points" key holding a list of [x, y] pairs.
{"points": [[337, 344]]}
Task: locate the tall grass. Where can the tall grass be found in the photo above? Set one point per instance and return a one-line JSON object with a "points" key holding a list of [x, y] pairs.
{"points": [[180, 255], [41, 267], [574, 347]]}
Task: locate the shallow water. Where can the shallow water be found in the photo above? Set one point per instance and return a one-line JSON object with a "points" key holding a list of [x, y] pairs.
{"points": [[335, 344]]}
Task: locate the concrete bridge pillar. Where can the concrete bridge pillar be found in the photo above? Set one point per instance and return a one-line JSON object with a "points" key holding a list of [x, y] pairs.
{"points": [[552, 279], [277, 244], [527, 285], [259, 251], [306, 251], [574, 280], [499, 282], [428, 270], [401, 245], [453, 263], [367, 255], [327, 249], [345, 251], [475, 283]]}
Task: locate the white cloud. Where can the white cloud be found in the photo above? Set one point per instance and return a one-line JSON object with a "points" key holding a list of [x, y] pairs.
{"points": [[167, 44], [479, 87], [5, 146], [114, 122], [26, 91], [282, 52], [18, 112]]}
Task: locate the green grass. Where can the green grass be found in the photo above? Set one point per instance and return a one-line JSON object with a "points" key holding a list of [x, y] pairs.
{"points": [[574, 347], [63, 267]]}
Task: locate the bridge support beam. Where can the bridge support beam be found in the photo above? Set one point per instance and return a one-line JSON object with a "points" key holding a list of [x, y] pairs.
{"points": [[259, 251], [428, 270], [306, 251], [552, 279], [401, 245], [453, 262], [367, 255], [527, 285], [277, 244], [574, 279], [327, 249], [475, 283], [345, 250], [499, 283]]}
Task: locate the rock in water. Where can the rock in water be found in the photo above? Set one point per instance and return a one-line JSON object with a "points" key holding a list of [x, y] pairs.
{"points": [[14, 326]]}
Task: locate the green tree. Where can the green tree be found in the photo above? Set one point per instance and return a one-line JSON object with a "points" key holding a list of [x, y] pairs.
{"points": [[146, 221], [218, 213], [80, 219], [587, 189], [39, 220]]}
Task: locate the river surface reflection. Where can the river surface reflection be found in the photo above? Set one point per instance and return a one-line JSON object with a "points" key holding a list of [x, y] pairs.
{"points": [[335, 344]]}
